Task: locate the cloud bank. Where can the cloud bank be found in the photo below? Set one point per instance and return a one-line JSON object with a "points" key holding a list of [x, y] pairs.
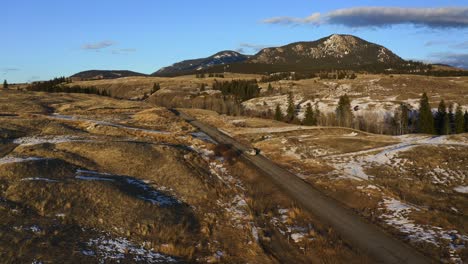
{"points": [[358, 17], [285, 20]]}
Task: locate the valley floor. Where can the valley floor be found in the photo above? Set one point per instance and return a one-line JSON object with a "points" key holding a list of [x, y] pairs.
{"points": [[92, 179], [415, 186]]}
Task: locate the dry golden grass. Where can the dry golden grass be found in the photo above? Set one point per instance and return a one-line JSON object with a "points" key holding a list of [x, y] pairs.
{"points": [[309, 153], [378, 87], [324, 245], [136, 87], [196, 229]]}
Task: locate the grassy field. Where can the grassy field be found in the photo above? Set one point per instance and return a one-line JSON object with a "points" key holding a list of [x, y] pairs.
{"points": [[414, 186], [136, 87], [87, 178]]}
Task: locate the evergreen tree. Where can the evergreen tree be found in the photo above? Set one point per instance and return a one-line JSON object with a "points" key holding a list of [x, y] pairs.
{"points": [[317, 114], [309, 118], [426, 120], [442, 119], [451, 117], [344, 114], [459, 120], [291, 111], [466, 120], [156, 87], [270, 88], [5, 84], [404, 119], [278, 113]]}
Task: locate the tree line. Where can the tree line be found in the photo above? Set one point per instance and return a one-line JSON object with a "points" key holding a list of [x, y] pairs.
{"points": [[56, 85], [446, 120], [242, 90], [210, 75], [295, 76]]}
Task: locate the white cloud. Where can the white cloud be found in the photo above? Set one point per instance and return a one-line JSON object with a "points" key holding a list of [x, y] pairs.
{"points": [[98, 45], [447, 17], [312, 19]]}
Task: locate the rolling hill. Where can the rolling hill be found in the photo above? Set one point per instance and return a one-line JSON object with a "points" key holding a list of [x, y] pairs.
{"points": [[105, 74]]}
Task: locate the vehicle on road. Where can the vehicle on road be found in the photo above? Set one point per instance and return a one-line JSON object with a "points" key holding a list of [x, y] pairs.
{"points": [[253, 151]]}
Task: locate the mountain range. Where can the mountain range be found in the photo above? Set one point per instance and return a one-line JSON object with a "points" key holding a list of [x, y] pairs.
{"points": [[335, 52]]}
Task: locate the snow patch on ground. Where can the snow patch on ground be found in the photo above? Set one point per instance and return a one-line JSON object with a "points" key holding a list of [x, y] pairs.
{"points": [[291, 151], [142, 190], [286, 226], [352, 165], [204, 137], [39, 179], [396, 214], [352, 134], [36, 140], [114, 250], [7, 160], [461, 189], [34, 229]]}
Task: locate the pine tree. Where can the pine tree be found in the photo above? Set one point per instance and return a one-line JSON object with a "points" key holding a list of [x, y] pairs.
{"points": [[459, 120], [451, 118], [317, 114], [278, 113], [466, 120], [291, 111], [426, 120], [5, 84], [156, 87], [270, 88], [442, 119], [344, 114], [309, 118], [404, 119]]}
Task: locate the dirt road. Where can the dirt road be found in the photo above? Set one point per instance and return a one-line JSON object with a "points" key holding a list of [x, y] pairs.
{"points": [[355, 230]]}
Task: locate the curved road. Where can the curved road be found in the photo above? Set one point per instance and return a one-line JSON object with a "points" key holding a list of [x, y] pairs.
{"points": [[355, 230]]}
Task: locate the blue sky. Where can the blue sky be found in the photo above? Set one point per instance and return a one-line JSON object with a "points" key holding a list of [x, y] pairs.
{"points": [[48, 38]]}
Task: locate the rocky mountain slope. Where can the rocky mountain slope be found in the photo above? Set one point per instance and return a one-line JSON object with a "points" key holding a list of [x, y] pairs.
{"points": [[220, 58], [332, 52], [335, 51]]}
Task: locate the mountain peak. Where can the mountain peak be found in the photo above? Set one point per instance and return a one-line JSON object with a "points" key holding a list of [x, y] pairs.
{"points": [[188, 66], [334, 51]]}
